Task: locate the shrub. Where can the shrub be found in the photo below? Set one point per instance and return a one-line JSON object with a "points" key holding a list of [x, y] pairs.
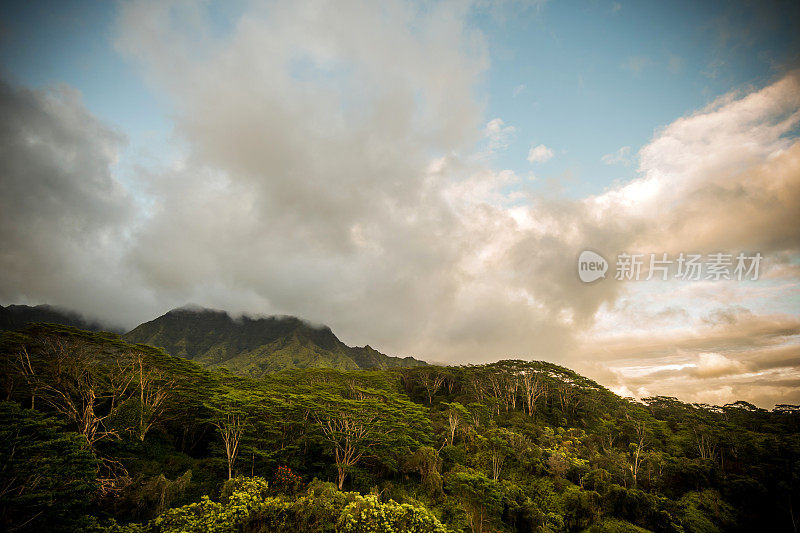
{"points": [[368, 515]]}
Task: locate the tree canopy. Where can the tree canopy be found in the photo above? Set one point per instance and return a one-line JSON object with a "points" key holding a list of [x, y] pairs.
{"points": [[100, 434]]}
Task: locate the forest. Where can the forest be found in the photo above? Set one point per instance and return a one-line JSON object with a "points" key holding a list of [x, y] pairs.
{"points": [[99, 434]]}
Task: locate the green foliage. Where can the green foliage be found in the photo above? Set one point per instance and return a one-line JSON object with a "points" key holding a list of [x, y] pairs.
{"points": [[512, 446], [648, 510], [246, 505], [242, 496], [581, 507], [148, 497], [47, 475], [427, 464], [481, 497], [614, 525], [369, 515], [705, 512]]}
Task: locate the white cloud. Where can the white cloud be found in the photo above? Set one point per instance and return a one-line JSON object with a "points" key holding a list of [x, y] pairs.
{"points": [[621, 157], [498, 135], [724, 178], [539, 154], [716, 365], [717, 396]]}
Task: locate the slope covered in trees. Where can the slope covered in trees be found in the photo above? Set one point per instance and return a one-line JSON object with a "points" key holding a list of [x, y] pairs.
{"points": [[254, 346], [123, 437]]}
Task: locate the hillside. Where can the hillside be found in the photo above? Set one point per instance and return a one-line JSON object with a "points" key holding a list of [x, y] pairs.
{"points": [[18, 316], [255, 346], [511, 447]]}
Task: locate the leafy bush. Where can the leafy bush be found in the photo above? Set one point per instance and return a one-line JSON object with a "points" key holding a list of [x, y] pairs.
{"points": [[246, 506], [614, 525], [368, 515], [242, 495]]}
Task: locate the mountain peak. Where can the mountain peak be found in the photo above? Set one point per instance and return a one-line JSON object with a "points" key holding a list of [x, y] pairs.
{"points": [[190, 309], [253, 345]]}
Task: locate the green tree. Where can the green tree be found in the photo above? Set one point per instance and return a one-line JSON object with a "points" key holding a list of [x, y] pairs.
{"points": [[427, 464], [47, 475], [456, 414], [481, 498], [374, 427], [232, 412]]}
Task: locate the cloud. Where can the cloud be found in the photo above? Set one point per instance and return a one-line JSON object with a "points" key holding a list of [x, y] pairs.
{"points": [[63, 215], [747, 331], [498, 135], [712, 365], [539, 154], [681, 355], [636, 64], [726, 177], [621, 157], [322, 208], [337, 212], [327, 176]]}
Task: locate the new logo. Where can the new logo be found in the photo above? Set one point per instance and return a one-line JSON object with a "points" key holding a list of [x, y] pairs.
{"points": [[591, 266]]}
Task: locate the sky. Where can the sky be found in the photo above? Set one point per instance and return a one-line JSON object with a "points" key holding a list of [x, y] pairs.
{"points": [[420, 176]]}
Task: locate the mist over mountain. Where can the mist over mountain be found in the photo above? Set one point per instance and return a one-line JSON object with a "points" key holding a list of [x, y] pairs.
{"points": [[253, 346], [18, 316]]}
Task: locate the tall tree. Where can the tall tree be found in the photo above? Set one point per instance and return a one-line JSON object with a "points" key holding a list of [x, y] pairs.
{"points": [[480, 496], [230, 427], [351, 436], [640, 443], [154, 390], [376, 427], [533, 387], [83, 383], [456, 413], [231, 411], [432, 381]]}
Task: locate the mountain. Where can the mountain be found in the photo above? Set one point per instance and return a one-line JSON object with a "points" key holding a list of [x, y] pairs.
{"points": [[19, 316], [255, 346]]}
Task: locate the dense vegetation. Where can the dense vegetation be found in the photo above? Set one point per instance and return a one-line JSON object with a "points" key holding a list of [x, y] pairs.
{"points": [[102, 435], [256, 346]]}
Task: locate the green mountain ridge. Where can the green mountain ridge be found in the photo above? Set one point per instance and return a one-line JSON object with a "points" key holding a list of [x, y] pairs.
{"points": [[253, 347]]}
